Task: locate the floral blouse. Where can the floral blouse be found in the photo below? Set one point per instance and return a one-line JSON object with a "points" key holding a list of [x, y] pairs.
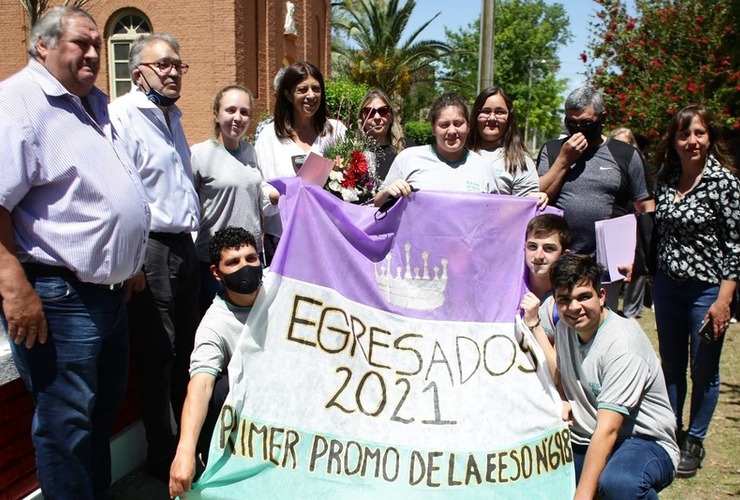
{"points": [[699, 234]]}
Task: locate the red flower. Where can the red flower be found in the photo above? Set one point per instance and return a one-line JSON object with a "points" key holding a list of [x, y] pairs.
{"points": [[356, 170], [358, 162], [584, 58], [699, 19]]}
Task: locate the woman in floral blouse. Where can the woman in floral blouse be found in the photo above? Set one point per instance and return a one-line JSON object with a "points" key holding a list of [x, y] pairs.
{"points": [[698, 218]]}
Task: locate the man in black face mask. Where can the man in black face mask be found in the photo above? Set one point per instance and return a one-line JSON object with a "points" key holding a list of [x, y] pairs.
{"points": [[163, 311], [234, 262], [591, 177]]}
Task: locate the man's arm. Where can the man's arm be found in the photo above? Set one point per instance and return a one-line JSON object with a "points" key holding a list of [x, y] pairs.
{"points": [[21, 305], [608, 423], [552, 180], [194, 411], [530, 304]]}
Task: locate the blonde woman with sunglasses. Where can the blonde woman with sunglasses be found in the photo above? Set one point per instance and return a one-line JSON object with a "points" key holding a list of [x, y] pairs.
{"points": [[378, 119]]}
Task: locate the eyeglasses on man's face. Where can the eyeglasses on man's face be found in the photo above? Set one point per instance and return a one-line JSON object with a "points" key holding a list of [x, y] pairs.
{"points": [[164, 66], [369, 112], [583, 123]]}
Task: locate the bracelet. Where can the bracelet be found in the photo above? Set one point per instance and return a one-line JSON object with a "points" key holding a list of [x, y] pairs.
{"points": [[539, 321]]}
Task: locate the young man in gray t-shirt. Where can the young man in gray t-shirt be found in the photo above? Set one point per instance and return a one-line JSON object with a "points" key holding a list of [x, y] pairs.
{"points": [[623, 430], [235, 263]]}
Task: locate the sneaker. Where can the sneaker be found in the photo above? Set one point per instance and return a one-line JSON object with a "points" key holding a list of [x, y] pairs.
{"points": [[733, 320], [692, 453]]}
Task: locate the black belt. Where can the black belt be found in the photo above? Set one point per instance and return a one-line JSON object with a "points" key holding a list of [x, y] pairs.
{"points": [[155, 235], [35, 270]]}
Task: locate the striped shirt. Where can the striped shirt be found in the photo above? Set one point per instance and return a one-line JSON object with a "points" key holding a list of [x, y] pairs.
{"points": [[162, 157], [74, 198]]}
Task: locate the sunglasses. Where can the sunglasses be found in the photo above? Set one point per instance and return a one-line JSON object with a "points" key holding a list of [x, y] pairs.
{"points": [[369, 112]]}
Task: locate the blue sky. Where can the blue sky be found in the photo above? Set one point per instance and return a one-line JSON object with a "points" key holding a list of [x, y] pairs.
{"points": [[456, 14]]}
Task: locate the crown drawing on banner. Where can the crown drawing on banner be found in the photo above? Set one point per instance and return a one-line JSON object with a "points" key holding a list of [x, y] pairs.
{"points": [[420, 292]]}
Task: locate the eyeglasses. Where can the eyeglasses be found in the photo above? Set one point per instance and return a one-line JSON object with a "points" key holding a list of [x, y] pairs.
{"points": [[485, 114], [369, 112], [165, 66], [579, 123]]}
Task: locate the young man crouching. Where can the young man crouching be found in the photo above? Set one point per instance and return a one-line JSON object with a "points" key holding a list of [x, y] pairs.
{"points": [[623, 431], [235, 262]]}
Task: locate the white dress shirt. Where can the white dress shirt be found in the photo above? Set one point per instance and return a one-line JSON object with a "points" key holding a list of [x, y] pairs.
{"points": [[162, 157]]}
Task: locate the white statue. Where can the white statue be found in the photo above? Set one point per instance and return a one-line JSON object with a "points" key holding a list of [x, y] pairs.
{"points": [[289, 28]]}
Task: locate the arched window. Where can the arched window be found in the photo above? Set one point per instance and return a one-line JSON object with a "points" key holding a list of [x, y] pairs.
{"points": [[128, 25]]}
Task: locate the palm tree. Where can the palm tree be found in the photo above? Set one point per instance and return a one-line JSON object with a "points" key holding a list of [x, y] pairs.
{"points": [[35, 8], [376, 55]]}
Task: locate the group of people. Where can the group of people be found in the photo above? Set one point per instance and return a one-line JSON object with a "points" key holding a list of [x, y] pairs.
{"points": [[592, 177], [98, 203]]}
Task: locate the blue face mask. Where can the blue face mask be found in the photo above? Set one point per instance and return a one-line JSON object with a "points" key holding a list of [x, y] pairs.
{"points": [[157, 97]]}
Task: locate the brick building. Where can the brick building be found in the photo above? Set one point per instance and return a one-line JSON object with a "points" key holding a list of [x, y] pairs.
{"points": [[236, 41], [224, 42]]}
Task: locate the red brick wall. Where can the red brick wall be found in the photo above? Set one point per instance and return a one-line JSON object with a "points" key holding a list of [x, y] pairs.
{"points": [[17, 459], [241, 41]]}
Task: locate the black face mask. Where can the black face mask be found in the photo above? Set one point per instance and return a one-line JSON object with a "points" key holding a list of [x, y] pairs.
{"points": [[591, 132], [157, 97], [245, 280]]}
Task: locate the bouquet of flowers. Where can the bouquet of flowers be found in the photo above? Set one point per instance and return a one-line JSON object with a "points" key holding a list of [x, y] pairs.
{"points": [[354, 177]]}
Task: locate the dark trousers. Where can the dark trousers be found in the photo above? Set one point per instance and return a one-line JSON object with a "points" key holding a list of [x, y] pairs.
{"points": [[77, 379], [163, 319], [218, 398]]}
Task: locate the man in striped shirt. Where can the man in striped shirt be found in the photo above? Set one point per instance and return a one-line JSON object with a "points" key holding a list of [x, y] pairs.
{"points": [[73, 228]]}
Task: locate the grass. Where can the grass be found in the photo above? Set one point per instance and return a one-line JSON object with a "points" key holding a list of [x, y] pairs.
{"points": [[719, 476]]}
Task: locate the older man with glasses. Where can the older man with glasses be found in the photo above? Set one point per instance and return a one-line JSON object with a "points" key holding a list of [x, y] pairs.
{"points": [[163, 312], [591, 177]]}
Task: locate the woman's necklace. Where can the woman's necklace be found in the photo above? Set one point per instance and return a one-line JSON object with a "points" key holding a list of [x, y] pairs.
{"points": [[681, 193]]}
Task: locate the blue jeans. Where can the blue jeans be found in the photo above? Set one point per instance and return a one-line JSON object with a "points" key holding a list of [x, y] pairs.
{"points": [[77, 379], [680, 307], [637, 468]]}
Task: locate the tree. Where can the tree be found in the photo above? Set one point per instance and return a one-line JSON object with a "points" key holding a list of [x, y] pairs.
{"points": [[343, 99], [35, 8], [528, 35], [376, 55], [672, 53]]}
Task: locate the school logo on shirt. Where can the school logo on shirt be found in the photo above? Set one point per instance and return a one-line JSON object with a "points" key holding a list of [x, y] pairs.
{"points": [[595, 388]]}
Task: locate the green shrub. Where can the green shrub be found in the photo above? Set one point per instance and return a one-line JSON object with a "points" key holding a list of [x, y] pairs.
{"points": [[419, 132], [348, 95]]}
